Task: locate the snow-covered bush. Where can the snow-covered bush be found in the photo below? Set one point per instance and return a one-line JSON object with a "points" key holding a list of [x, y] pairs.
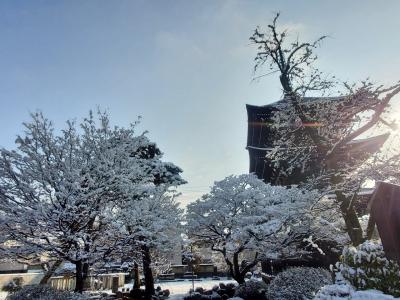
{"points": [[44, 292], [343, 290], [252, 290], [196, 296], [218, 292], [165, 293], [337, 290], [199, 290], [226, 290], [366, 267], [298, 283]]}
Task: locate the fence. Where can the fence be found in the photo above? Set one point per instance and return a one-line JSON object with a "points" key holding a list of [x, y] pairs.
{"points": [[101, 281], [98, 282]]}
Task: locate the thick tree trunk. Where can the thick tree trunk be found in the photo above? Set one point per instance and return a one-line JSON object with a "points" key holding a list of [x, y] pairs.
{"points": [[79, 277], [148, 274], [50, 272], [237, 275], [285, 82], [234, 267], [353, 225]]}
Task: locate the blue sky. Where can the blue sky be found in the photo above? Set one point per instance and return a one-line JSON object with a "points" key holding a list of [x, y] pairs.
{"points": [[184, 66]]}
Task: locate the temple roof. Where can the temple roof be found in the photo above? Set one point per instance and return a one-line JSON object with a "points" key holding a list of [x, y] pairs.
{"points": [[370, 144], [303, 100]]}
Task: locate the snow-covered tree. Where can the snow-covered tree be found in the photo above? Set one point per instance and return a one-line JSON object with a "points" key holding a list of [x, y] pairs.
{"points": [[153, 224], [316, 136], [243, 214], [57, 191]]}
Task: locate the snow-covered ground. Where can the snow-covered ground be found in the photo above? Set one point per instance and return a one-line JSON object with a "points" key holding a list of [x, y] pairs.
{"points": [[180, 288], [3, 295], [177, 288]]}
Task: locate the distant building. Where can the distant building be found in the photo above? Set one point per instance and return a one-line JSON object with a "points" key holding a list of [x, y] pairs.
{"points": [[12, 267]]}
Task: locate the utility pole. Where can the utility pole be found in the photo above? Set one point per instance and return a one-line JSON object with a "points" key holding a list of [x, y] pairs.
{"points": [[191, 250]]}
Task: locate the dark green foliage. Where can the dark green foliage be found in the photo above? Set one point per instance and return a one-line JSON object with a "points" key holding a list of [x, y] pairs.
{"points": [[298, 283], [218, 292], [196, 296], [252, 290]]}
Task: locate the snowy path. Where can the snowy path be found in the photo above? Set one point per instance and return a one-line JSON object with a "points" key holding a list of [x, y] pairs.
{"points": [[180, 288]]}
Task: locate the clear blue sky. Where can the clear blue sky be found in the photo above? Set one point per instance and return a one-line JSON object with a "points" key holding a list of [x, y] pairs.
{"points": [[185, 66]]}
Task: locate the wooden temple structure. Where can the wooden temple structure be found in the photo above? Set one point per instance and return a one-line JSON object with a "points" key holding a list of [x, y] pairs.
{"points": [[261, 136]]}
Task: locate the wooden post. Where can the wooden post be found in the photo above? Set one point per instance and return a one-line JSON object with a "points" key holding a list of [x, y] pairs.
{"points": [[136, 276], [115, 284], [385, 212]]}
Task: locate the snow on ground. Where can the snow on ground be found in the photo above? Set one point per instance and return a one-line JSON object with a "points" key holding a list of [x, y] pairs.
{"points": [[180, 288], [183, 287]]}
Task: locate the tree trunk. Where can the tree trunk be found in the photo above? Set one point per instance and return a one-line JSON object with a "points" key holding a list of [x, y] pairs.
{"points": [[148, 274], [285, 82], [79, 277], [85, 276], [353, 225], [240, 273], [136, 277], [50, 271], [237, 275]]}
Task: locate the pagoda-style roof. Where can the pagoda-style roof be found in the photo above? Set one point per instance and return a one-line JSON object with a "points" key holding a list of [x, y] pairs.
{"points": [[259, 119], [261, 136], [369, 145]]}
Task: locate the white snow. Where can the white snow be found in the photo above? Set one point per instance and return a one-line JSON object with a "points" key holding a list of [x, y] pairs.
{"points": [[343, 290], [179, 289]]}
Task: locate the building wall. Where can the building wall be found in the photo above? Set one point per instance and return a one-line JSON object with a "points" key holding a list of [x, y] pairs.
{"points": [[61, 282], [28, 278]]}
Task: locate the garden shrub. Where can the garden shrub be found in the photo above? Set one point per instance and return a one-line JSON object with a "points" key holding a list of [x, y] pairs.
{"points": [[366, 267], [226, 290], [199, 290], [215, 296], [345, 291], [44, 292], [337, 290], [221, 291], [166, 293], [196, 296], [298, 283], [252, 290]]}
